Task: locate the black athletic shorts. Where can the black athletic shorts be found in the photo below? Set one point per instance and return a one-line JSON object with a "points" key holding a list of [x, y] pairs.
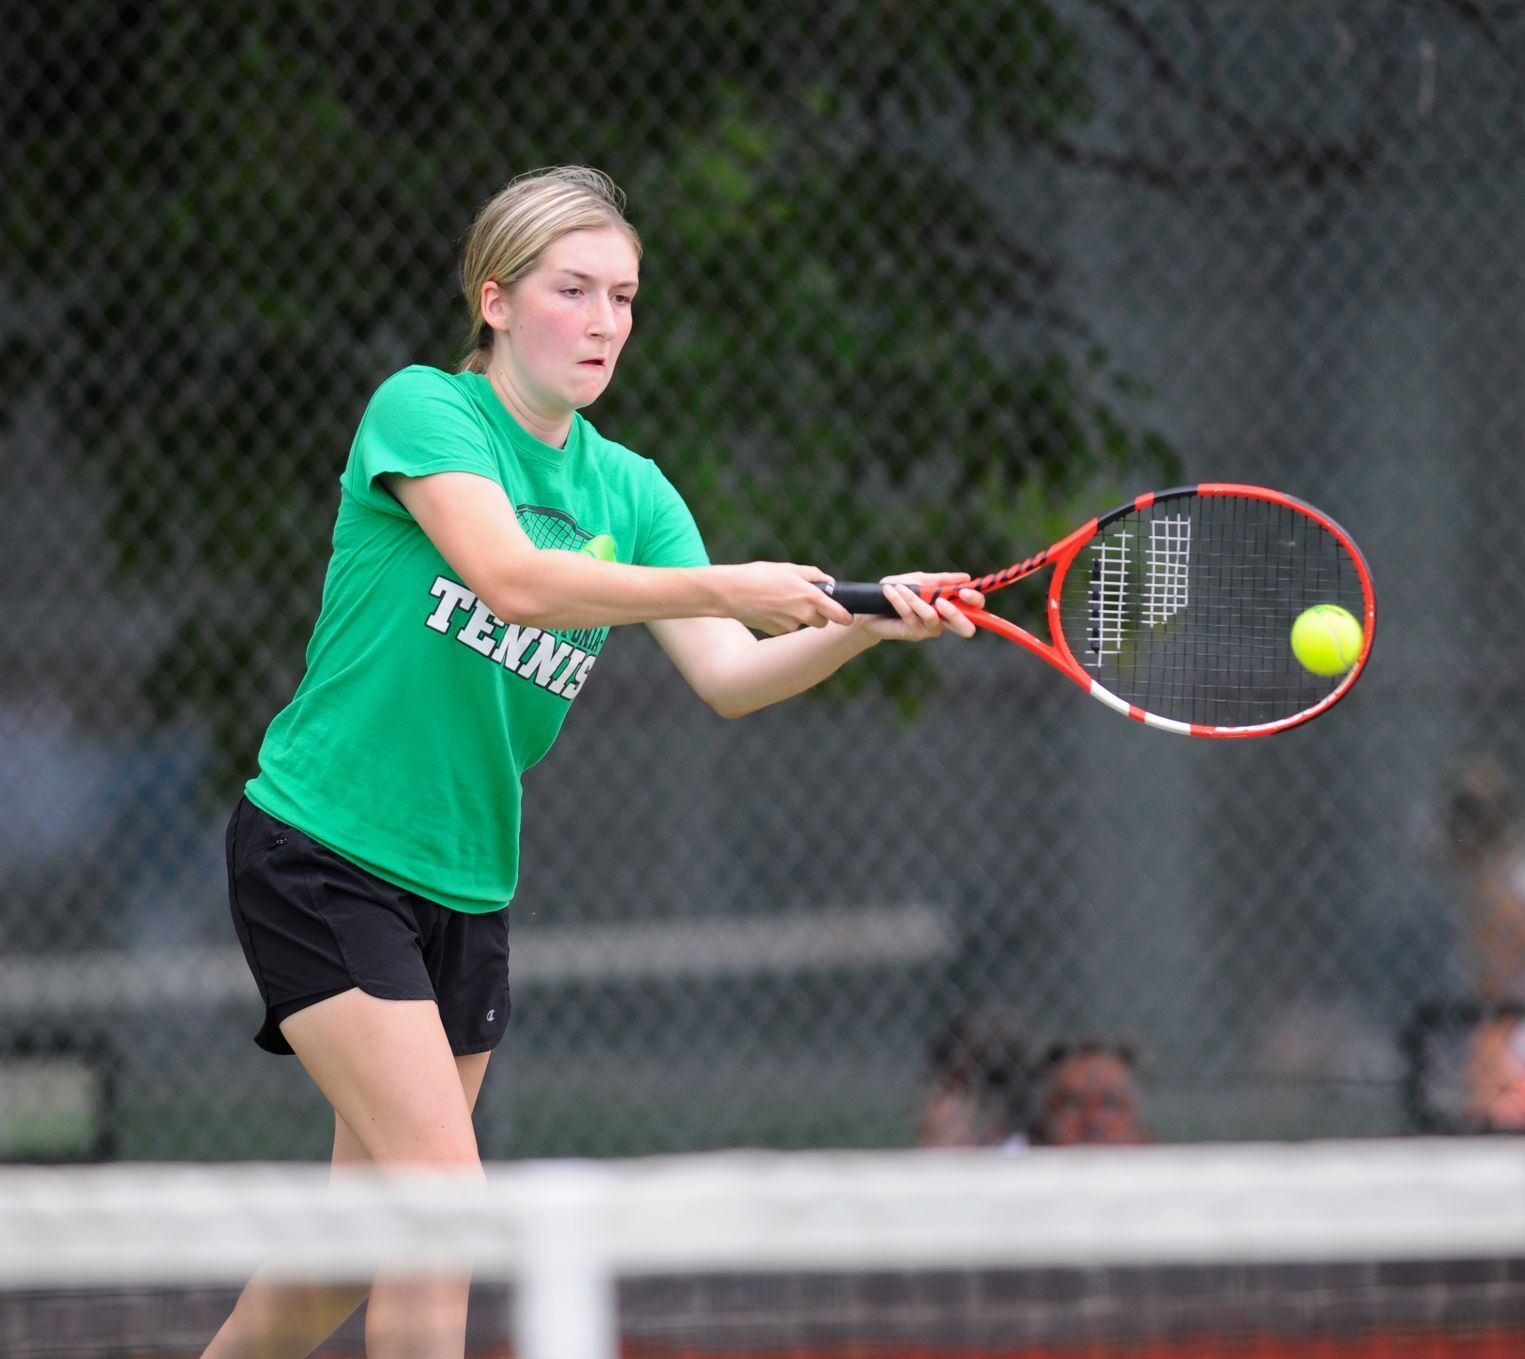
{"points": [[312, 925]]}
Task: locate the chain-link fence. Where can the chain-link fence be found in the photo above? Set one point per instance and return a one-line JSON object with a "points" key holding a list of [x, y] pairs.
{"points": [[923, 285]]}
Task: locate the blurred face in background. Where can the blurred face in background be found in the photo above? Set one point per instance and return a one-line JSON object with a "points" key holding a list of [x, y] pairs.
{"points": [[1091, 1100], [1495, 1077], [955, 1116]]}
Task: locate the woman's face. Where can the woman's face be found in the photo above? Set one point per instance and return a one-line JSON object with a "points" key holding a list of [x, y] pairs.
{"points": [[565, 322]]}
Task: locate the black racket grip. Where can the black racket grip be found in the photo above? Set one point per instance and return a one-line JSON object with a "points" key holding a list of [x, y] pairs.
{"points": [[857, 596]]}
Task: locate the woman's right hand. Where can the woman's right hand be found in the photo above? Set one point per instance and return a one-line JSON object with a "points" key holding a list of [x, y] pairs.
{"points": [[778, 597]]}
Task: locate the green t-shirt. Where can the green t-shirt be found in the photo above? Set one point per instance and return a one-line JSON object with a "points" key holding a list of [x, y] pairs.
{"points": [[404, 745]]}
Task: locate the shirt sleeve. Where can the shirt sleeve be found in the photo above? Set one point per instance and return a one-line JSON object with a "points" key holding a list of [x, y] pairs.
{"points": [[418, 422], [672, 538]]}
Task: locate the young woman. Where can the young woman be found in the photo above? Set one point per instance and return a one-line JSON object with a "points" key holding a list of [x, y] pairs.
{"points": [[487, 539]]}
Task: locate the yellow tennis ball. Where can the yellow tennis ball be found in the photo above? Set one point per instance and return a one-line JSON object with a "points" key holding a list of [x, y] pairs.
{"points": [[1326, 639], [600, 545]]}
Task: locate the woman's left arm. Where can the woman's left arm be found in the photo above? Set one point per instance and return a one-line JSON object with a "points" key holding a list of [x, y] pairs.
{"points": [[737, 673]]}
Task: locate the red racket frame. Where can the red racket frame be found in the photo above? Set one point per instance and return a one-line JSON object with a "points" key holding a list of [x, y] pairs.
{"points": [[1063, 553]]}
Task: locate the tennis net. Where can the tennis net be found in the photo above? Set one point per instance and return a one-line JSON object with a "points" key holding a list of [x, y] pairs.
{"points": [[1339, 1251]]}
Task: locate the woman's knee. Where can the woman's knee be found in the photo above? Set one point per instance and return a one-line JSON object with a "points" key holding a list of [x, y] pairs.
{"points": [[386, 1068]]}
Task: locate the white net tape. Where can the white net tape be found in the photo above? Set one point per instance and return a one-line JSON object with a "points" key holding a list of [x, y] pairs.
{"points": [[563, 1233]]}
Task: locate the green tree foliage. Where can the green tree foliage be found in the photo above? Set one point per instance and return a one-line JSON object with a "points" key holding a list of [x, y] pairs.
{"points": [[225, 224]]}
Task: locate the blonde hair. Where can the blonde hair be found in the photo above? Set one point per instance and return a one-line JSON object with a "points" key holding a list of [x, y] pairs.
{"points": [[518, 224]]}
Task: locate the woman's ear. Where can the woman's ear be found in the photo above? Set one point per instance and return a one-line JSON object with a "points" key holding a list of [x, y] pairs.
{"points": [[495, 305]]}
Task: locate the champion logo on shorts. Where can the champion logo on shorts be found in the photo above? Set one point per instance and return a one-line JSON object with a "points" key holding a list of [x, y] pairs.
{"points": [[491, 1015]]}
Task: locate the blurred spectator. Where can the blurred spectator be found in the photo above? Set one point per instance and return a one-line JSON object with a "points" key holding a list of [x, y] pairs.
{"points": [[1485, 832], [1495, 1076], [1088, 1096], [976, 1086]]}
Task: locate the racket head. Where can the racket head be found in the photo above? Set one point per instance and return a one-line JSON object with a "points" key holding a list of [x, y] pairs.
{"points": [[1178, 609]]}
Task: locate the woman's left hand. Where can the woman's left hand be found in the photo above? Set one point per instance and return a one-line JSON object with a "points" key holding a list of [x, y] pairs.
{"points": [[917, 619]]}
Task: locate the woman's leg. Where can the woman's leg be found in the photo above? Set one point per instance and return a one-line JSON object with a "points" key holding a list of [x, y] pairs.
{"points": [[386, 1067], [421, 1318], [278, 1319]]}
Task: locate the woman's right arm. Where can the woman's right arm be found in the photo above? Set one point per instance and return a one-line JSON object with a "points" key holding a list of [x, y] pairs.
{"points": [[470, 520]]}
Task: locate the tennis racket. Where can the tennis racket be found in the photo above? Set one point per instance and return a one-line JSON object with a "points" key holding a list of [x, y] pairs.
{"points": [[1177, 609]]}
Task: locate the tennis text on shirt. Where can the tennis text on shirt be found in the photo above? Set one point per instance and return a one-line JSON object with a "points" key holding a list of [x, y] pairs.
{"points": [[542, 657]]}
